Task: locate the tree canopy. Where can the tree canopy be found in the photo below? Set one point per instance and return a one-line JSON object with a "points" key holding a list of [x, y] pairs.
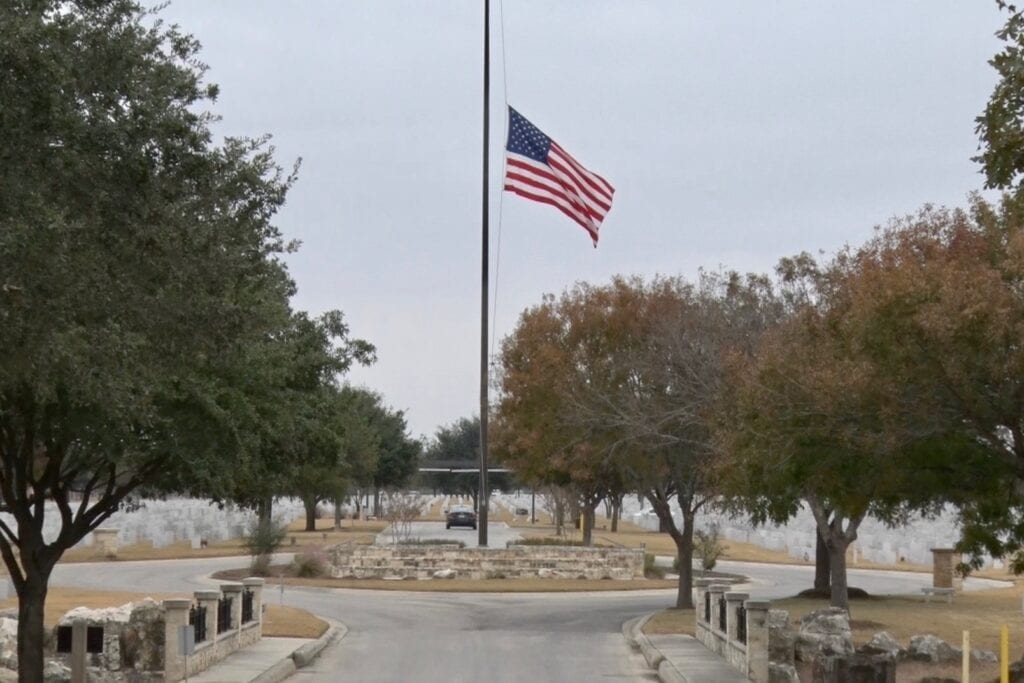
{"points": [[141, 281]]}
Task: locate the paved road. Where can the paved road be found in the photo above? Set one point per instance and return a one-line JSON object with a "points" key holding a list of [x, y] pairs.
{"points": [[498, 534], [450, 638]]}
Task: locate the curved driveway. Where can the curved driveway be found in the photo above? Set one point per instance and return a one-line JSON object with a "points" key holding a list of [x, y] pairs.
{"points": [[396, 637]]}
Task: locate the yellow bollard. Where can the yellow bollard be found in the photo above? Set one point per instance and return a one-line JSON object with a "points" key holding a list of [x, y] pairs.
{"points": [[965, 676], [1004, 655]]}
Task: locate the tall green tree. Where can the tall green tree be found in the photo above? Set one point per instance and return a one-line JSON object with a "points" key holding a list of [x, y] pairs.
{"points": [[139, 270], [395, 453], [295, 431], [1001, 125]]}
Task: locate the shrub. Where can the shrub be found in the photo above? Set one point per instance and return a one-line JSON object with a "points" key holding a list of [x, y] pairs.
{"points": [[310, 563], [260, 565], [708, 547], [261, 541], [650, 570]]}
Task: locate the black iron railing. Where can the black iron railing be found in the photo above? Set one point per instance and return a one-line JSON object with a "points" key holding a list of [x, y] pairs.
{"points": [[722, 608], [246, 606], [197, 617], [223, 615], [93, 639], [707, 608], [741, 624], [63, 639]]}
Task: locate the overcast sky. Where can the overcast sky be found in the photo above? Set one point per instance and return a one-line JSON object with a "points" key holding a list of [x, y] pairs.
{"points": [[734, 134]]}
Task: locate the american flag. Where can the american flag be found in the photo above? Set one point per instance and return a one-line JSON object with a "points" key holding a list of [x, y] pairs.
{"points": [[536, 167]]}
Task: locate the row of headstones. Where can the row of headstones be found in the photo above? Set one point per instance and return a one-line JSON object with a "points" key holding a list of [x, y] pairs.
{"points": [[167, 521], [876, 542]]}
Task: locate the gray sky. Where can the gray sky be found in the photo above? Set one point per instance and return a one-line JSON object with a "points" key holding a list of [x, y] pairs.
{"points": [[734, 134]]}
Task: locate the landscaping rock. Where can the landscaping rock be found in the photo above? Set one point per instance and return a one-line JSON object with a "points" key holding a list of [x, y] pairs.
{"points": [[929, 648], [55, 672], [984, 656], [9, 643], [854, 668], [445, 574], [1016, 672], [883, 642], [781, 639], [782, 673], [824, 632]]}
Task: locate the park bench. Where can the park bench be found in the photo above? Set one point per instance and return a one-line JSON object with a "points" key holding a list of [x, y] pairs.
{"points": [[931, 591]]}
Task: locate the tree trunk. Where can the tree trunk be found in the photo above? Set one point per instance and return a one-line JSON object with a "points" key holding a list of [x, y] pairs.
{"points": [[837, 539], [683, 539], [309, 502], [616, 511], [607, 507], [588, 518], [376, 503], [822, 571], [684, 555], [837, 561], [265, 511], [337, 513], [31, 631]]}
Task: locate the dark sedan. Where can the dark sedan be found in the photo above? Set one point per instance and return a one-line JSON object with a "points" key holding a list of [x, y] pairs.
{"points": [[460, 515]]}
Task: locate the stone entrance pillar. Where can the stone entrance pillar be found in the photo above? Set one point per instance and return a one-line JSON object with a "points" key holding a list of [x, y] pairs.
{"points": [[943, 564], [105, 542]]}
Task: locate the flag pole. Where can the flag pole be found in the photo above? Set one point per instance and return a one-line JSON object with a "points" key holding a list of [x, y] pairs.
{"points": [[484, 495]]}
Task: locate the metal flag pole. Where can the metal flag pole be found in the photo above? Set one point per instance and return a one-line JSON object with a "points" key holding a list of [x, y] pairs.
{"points": [[484, 497]]}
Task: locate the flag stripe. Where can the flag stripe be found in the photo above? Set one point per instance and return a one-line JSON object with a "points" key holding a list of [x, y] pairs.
{"points": [[534, 187], [547, 200], [568, 177], [541, 177], [554, 193], [549, 172], [596, 181]]}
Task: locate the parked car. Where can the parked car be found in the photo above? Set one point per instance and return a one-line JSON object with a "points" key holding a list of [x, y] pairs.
{"points": [[460, 515]]}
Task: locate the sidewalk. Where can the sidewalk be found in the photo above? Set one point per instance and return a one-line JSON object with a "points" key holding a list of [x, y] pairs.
{"points": [[679, 658], [271, 659], [268, 656]]}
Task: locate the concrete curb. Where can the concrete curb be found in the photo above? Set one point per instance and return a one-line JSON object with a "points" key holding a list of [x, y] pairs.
{"points": [[308, 652], [632, 631], [277, 673], [669, 673], [303, 655]]}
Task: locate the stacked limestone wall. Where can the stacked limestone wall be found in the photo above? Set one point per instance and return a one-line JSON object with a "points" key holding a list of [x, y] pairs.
{"points": [[432, 561]]}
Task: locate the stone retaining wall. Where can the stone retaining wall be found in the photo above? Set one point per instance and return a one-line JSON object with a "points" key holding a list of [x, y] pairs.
{"points": [[517, 561], [140, 640]]}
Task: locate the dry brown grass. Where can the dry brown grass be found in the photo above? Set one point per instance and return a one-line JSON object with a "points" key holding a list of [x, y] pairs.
{"points": [[60, 600], [288, 622], [671, 621], [981, 613], [280, 621]]}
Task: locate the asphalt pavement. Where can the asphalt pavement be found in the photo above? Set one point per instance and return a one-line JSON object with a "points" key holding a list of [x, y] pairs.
{"points": [[498, 534]]}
